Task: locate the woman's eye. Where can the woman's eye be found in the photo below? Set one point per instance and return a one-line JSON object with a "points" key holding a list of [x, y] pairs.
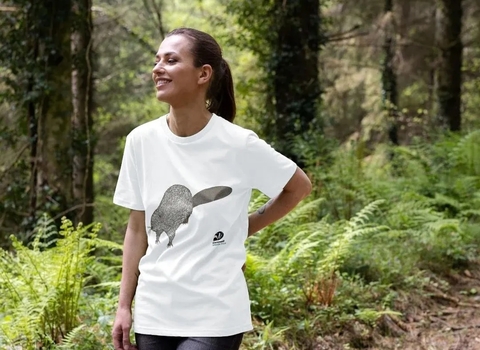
{"points": [[169, 61]]}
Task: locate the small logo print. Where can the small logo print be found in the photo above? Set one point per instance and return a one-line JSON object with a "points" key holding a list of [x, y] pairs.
{"points": [[218, 238]]}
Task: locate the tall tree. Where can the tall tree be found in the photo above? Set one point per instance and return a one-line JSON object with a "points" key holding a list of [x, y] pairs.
{"points": [[81, 49], [448, 78], [47, 54], [389, 78], [53, 161], [35, 56], [286, 37], [295, 70]]}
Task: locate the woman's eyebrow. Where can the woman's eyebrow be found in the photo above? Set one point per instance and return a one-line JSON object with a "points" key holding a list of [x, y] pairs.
{"points": [[170, 53]]}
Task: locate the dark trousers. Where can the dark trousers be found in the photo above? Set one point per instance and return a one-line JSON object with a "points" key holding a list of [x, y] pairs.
{"points": [[155, 342]]}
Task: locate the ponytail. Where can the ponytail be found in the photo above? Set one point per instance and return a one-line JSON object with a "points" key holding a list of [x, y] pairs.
{"points": [[221, 94]]}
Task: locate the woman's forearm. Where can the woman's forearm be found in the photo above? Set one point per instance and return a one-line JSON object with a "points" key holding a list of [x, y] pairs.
{"points": [[134, 247], [296, 189]]}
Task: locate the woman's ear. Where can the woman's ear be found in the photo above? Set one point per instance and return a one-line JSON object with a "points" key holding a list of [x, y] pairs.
{"points": [[206, 73]]}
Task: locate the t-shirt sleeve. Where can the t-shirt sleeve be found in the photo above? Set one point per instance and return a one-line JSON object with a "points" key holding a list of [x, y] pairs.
{"points": [[267, 170], [127, 193]]}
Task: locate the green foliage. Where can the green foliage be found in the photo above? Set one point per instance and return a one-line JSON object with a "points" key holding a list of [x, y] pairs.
{"points": [[470, 90], [268, 338], [44, 287], [311, 252], [378, 225], [285, 38], [371, 230], [378, 219]]}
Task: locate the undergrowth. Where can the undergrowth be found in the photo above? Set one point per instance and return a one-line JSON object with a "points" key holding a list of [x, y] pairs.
{"points": [[51, 298], [375, 227]]}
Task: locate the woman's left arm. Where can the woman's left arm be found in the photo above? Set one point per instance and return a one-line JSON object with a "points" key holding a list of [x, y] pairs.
{"points": [[296, 189]]}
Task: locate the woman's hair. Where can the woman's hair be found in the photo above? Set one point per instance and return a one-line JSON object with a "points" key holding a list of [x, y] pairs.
{"points": [[205, 50]]}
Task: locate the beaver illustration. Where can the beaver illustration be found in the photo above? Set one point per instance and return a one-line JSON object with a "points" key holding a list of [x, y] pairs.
{"points": [[177, 205]]}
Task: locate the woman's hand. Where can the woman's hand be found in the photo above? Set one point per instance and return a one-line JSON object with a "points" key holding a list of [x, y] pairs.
{"points": [[121, 330]]}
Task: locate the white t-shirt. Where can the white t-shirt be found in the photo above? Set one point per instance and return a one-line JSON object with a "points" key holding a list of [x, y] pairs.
{"points": [[195, 193]]}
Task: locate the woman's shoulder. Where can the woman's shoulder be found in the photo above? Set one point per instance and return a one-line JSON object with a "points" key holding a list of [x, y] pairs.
{"points": [[235, 131], [146, 129]]}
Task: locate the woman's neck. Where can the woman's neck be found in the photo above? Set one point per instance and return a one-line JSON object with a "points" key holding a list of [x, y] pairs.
{"points": [[185, 122]]}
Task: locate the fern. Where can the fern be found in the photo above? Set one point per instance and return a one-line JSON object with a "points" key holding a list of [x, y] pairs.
{"points": [[42, 284], [466, 153], [277, 235], [339, 249], [375, 224], [71, 340]]}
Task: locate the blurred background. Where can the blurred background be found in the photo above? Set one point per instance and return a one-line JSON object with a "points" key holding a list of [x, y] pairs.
{"points": [[378, 101]]}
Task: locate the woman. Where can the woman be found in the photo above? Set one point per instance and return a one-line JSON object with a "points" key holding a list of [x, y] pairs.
{"points": [[187, 178]]}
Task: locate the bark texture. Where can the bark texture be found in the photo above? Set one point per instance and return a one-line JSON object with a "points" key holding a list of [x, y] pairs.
{"points": [[295, 65], [81, 88], [448, 80], [52, 150], [389, 77]]}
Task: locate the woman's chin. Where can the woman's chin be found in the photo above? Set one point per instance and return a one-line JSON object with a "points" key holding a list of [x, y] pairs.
{"points": [[161, 97]]}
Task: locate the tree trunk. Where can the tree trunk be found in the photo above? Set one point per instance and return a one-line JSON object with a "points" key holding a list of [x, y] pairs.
{"points": [[81, 48], [389, 78], [32, 135], [53, 145], [449, 68], [295, 69], [36, 57]]}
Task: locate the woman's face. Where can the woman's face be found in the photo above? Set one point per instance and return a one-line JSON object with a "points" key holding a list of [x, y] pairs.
{"points": [[177, 80]]}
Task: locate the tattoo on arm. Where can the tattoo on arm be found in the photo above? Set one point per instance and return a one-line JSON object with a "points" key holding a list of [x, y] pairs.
{"points": [[263, 207]]}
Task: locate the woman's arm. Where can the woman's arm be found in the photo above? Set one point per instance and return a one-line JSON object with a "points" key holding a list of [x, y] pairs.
{"points": [[134, 247], [296, 189]]}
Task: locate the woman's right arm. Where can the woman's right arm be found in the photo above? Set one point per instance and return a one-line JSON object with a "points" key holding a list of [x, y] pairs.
{"points": [[134, 248]]}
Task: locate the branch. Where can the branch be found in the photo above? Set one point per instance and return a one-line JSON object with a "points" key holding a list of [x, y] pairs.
{"points": [[75, 207], [343, 35], [158, 12], [8, 9], [7, 169], [128, 30], [334, 35], [341, 38]]}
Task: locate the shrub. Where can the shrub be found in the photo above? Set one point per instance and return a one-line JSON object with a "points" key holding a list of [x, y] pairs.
{"points": [[44, 287]]}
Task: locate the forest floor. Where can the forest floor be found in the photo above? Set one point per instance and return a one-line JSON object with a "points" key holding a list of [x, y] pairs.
{"points": [[442, 316]]}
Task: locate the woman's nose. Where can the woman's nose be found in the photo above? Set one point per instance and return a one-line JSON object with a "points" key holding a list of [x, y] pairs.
{"points": [[158, 68]]}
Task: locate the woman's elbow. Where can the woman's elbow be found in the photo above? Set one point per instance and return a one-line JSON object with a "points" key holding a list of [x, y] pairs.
{"points": [[300, 184], [306, 187]]}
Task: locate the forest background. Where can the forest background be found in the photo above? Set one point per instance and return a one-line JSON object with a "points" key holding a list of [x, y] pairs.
{"points": [[377, 100]]}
